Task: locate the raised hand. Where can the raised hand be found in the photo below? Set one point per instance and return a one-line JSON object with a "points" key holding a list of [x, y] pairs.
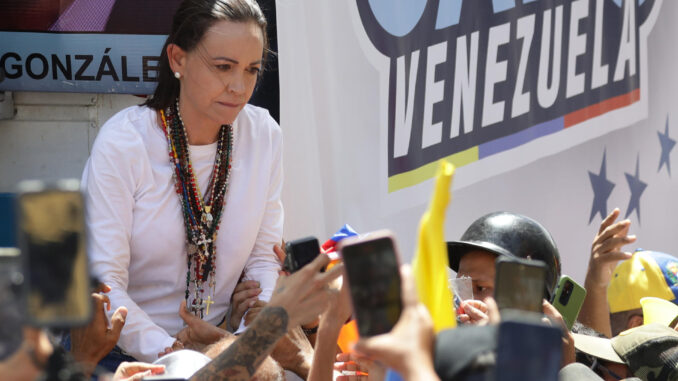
{"points": [[605, 254], [305, 294], [297, 299], [408, 348], [606, 249], [91, 343], [474, 312]]}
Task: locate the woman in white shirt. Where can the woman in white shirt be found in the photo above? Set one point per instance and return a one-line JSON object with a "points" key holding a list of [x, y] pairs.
{"points": [[183, 192]]}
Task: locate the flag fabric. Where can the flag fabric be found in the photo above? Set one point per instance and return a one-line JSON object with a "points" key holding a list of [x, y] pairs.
{"points": [[331, 244], [430, 261], [349, 332]]}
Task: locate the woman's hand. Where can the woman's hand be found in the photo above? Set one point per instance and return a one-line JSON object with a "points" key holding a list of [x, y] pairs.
{"points": [[245, 295], [253, 311], [177, 345], [198, 333]]}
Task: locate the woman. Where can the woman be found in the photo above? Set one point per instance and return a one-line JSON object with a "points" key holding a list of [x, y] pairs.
{"points": [[165, 177]]}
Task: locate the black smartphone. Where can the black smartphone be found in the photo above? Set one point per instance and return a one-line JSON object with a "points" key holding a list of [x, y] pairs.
{"points": [[519, 284], [11, 313], [520, 344], [300, 252], [373, 273], [51, 237]]}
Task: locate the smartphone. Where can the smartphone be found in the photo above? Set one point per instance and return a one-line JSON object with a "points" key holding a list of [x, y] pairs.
{"points": [[568, 299], [528, 351], [52, 240], [519, 284], [300, 252], [372, 269], [11, 314]]}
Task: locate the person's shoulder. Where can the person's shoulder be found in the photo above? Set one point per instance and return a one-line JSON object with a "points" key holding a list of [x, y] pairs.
{"points": [[127, 120], [258, 120], [126, 129]]}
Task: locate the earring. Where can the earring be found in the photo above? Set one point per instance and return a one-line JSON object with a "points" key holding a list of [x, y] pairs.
{"points": [[177, 75]]}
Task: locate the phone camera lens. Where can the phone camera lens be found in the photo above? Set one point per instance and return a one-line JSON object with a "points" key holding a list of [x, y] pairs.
{"points": [[567, 292]]}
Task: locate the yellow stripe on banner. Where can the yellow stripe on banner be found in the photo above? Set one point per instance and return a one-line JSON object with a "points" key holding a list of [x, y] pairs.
{"points": [[427, 171]]}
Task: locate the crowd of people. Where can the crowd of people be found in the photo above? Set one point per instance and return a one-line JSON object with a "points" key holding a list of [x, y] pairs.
{"points": [[185, 221]]}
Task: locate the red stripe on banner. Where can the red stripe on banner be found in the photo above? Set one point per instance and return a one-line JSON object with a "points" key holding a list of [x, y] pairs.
{"points": [[601, 108]]}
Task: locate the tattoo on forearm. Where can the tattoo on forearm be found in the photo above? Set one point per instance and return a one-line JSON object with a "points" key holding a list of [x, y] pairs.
{"points": [[243, 357]]}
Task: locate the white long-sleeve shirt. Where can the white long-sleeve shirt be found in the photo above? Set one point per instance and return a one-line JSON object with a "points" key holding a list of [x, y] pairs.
{"points": [[137, 237]]}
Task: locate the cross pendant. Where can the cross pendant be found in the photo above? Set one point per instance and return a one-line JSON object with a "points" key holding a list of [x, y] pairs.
{"points": [[203, 240], [208, 302]]}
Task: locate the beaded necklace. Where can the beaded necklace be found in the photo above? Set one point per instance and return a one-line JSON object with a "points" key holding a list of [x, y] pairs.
{"points": [[201, 214]]}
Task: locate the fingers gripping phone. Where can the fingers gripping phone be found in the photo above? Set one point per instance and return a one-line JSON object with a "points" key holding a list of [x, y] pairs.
{"points": [[51, 237], [568, 299], [519, 284], [373, 273], [300, 252]]}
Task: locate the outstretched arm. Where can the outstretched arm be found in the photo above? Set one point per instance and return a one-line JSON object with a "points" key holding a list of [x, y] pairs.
{"points": [[331, 321], [605, 254], [243, 357], [297, 299], [408, 348]]}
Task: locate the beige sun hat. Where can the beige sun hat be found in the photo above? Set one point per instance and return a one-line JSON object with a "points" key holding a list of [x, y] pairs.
{"points": [[657, 310], [598, 347]]}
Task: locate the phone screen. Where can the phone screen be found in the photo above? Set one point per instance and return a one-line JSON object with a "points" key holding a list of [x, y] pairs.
{"points": [[374, 279], [52, 241], [520, 285], [303, 251]]}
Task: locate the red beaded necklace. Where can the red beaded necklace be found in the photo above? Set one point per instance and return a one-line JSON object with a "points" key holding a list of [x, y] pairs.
{"points": [[201, 214]]}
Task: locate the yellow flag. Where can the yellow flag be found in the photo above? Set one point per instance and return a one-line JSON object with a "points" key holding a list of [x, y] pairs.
{"points": [[430, 262]]}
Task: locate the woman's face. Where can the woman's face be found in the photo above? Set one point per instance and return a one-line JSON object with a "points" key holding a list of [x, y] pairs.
{"points": [[219, 75]]}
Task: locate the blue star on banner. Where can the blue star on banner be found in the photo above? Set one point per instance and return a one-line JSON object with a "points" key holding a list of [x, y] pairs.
{"points": [[602, 187], [637, 188], [667, 145]]}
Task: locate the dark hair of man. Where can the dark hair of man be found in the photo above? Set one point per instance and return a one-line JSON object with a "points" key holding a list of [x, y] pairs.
{"points": [[192, 19], [619, 320]]}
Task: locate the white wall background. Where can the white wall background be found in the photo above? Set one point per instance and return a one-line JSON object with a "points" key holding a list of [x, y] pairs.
{"points": [[334, 148]]}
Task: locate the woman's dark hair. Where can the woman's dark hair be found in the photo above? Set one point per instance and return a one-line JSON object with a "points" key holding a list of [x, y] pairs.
{"points": [[192, 19]]}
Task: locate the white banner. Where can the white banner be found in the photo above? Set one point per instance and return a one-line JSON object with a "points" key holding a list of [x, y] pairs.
{"points": [[559, 110]]}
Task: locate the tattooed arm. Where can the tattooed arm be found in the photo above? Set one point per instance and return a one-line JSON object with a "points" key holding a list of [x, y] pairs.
{"points": [[298, 298], [243, 357]]}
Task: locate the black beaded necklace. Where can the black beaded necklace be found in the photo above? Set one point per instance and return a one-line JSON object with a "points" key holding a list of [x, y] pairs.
{"points": [[201, 214]]}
